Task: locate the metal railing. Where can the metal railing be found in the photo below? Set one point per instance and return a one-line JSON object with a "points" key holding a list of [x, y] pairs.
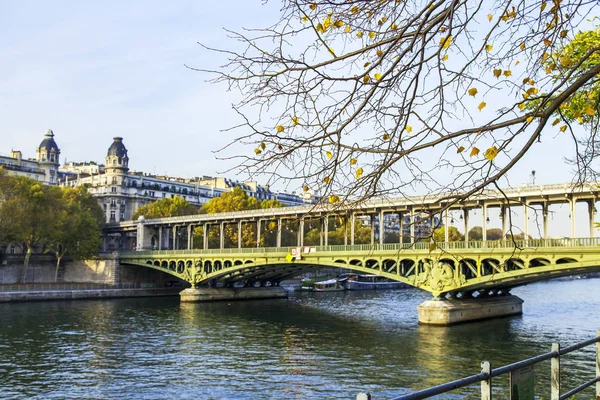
{"points": [[47, 287], [489, 244], [487, 373]]}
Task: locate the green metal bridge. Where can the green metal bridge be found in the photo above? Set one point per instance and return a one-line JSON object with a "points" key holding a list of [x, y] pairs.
{"points": [[446, 269]]}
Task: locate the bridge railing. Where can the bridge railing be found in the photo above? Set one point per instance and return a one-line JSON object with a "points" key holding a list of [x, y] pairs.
{"points": [[448, 246], [522, 368]]}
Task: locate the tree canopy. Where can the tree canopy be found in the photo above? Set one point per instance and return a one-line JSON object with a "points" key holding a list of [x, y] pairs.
{"points": [[35, 217], [167, 207], [354, 98]]}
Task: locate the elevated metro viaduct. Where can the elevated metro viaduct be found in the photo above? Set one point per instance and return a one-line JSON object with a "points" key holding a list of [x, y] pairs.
{"points": [[454, 271]]}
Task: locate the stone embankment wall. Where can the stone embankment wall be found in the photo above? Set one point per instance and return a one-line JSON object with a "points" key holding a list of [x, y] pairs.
{"points": [[105, 269]]}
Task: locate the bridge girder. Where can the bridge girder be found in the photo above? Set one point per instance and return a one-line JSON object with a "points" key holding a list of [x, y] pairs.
{"points": [[437, 272]]}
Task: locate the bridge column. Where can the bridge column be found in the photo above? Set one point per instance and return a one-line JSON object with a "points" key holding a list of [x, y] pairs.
{"points": [[279, 227], [205, 237], [301, 232], [381, 227], [446, 227], [326, 231], [160, 237], [400, 227], [525, 219], [372, 218], [352, 222], [346, 230], [239, 234], [190, 237], [222, 235], [258, 232], [412, 225], [484, 220], [572, 204], [466, 219], [545, 218], [503, 217], [592, 215]]}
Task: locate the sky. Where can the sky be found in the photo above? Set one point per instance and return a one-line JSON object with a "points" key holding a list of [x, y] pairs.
{"points": [[94, 70]]}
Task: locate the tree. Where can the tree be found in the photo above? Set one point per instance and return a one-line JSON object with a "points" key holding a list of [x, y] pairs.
{"points": [[79, 226], [167, 207], [347, 98], [439, 235], [28, 211], [494, 234], [476, 233], [236, 200]]}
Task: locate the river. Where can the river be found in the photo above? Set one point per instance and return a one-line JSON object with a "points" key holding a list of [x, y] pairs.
{"points": [[313, 345]]}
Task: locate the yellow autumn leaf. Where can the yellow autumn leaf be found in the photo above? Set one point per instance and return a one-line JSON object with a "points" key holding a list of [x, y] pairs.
{"points": [[563, 128], [295, 121], [353, 161], [313, 6], [565, 61], [338, 24], [522, 46], [328, 154], [474, 151], [366, 78], [408, 128], [472, 91], [334, 198], [521, 106], [354, 10], [589, 111], [378, 76], [263, 145], [543, 6], [359, 173], [257, 151], [532, 91], [305, 188], [432, 246], [394, 27], [481, 105], [445, 42], [280, 128], [445, 58], [491, 153], [460, 149], [372, 35], [320, 28], [386, 136], [359, 34], [507, 73], [556, 121], [327, 179], [367, 64], [497, 73], [347, 30], [304, 19], [547, 42], [383, 19], [529, 119], [488, 47], [490, 17], [379, 53], [563, 34]]}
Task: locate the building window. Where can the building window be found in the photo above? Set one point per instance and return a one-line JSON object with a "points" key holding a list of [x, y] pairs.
{"points": [[52, 157], [114, 180], [51, 180], [122, 216], [12, 249], [113, 189], [112, 216], [113, 202]]}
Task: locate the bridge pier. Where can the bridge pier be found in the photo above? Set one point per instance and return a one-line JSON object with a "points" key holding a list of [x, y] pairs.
{"points": [[193, 295], [455, 311]]}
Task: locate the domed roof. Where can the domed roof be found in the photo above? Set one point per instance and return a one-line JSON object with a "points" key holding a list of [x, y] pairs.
{"points": [[48, 143], [117, 148]]}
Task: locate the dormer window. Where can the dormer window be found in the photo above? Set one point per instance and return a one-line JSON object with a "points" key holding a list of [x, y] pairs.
{"points": [[52, 157]]}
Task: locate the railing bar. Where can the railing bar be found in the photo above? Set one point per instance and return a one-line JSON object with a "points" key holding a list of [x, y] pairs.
{"points": [[580, 388], [524, 363], [446, 387], [578, 346]]}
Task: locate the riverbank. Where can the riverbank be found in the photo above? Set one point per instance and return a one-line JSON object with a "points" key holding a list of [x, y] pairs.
{"points": [[83, 294]]}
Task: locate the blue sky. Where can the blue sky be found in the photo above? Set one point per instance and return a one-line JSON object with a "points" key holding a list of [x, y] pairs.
{"points": [[94, 70]]}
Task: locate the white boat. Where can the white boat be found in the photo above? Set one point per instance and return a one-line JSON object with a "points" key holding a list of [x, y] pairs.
{"points": [[330, 285], [369, 282]]}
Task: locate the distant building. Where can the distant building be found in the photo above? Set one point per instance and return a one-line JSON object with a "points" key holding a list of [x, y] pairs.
{"points": [[121, 192], [42, 168]]}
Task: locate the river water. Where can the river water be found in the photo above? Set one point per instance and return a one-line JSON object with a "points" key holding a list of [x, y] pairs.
{"points": [[313, 345]]}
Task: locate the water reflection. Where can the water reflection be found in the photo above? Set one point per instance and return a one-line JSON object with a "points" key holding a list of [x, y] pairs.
{"points": [[312, 345]]}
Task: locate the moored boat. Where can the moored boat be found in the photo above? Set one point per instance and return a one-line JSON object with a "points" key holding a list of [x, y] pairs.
{"points": [[369, 282], [330, 285]]}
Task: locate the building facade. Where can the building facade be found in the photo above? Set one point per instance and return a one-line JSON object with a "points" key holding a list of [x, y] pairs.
{"points": [[42, 168]]}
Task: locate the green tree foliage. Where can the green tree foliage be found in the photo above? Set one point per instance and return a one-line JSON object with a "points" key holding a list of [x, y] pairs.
{"points": [[352, 96], [35, 217], [79, 226], [439, 235], [167, 207], [236, 200]]}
